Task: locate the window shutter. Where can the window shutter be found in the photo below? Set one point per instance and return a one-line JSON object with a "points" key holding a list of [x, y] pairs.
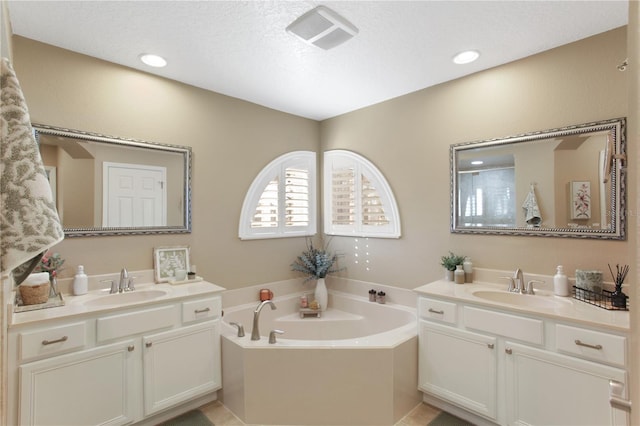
{"points": [[281, 201], [357, 198]]}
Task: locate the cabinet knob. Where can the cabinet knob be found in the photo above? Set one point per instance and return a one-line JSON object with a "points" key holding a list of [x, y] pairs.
{"points": [[433, 311], [509, 351], [148, 344], [200, 311], [131, 348], [490, 345]]}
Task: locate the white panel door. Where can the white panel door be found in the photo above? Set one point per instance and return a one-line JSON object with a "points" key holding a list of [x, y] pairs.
{"points": [[546, 388], [134, 195], [459, 366], [92, 387], [180, 365]]}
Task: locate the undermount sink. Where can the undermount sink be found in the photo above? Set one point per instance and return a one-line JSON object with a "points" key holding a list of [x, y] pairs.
{"points": [[127, 297], [535, 301]]}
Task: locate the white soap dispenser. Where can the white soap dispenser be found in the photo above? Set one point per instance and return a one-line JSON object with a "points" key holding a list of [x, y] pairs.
{"points": [[560, 283], [80, 282]]}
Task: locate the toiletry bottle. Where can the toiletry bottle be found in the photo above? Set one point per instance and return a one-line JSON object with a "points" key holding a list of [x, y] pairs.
{"points": [[458, 275], [80, 282], [467, 265], [560, 283]]}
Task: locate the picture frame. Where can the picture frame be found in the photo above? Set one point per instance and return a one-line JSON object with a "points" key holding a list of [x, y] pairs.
{"points": [[580, 200], [166, 260]]}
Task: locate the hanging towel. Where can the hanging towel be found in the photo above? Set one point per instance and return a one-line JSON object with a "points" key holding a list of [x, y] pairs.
{"points": [[531, 210], [29, 222]]}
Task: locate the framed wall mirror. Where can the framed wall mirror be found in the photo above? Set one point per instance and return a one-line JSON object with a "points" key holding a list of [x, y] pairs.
{"points": [[106, 185], [566, 182]]}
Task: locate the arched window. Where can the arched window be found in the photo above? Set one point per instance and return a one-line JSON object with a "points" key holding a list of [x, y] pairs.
{"points": [[357, 198], [281, 201]]}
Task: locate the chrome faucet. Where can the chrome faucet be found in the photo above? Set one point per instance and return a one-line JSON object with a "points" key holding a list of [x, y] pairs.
{"points": [[518, 277], [124, 281], [255, 333]]}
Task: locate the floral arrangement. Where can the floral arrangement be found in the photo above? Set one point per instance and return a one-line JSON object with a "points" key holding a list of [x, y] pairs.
{"points": [[314, 262], [51, 263]]}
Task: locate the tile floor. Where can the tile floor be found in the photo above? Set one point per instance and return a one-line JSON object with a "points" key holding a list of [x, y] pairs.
{"points": [[221, 416]]}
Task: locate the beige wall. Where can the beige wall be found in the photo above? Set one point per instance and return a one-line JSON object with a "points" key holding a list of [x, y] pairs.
{"points": [[232, 141], [408, 138], [573, 84]]}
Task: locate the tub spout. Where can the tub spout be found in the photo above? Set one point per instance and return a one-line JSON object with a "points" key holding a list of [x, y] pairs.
{"points": [[255, 332]]}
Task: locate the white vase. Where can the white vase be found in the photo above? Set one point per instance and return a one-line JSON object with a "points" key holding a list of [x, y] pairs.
{"points": [[448, 275], [321, 294]]}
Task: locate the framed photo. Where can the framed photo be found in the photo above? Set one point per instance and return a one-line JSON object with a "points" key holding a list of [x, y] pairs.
{"points": [[166, 260], [580, 200]]}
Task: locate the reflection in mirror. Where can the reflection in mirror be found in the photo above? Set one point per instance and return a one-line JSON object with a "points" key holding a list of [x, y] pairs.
{"points": [[106, 185], [567, 182]]}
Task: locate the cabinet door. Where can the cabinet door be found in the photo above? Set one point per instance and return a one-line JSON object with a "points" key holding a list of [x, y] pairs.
{"points": [[91, 387], [181, 364], [545, 388], [459, 366]]}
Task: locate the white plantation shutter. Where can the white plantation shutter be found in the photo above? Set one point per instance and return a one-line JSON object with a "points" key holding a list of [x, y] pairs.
{"points": [[282, 198], [357, 198], [266, 214]]}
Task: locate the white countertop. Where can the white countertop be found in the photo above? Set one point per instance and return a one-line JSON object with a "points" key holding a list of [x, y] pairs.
{"points": [[76, 305], [568, 309]]}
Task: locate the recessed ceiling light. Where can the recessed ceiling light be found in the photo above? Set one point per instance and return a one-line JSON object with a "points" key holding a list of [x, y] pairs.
{"points": [[466, 57], [477, 162], [153, 60]]}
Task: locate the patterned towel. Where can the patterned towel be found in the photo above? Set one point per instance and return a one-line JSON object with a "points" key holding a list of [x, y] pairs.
{"points": [[531, 210], [29, 222]]}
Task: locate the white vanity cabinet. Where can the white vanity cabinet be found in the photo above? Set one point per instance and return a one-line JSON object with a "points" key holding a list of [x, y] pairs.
{"points": [[511, 367], [115, 366], [459, 366], [180, 364], [89, 387]]}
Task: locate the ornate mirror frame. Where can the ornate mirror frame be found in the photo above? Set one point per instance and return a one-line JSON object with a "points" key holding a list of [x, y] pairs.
{"points": [[185, 197], [613, 168]]}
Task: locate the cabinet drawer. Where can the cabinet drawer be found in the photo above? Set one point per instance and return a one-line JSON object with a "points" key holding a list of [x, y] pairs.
{"points": [[512, 326], [197, 310], [53, 340], [591, 344], [437, 310], [116, 326]]}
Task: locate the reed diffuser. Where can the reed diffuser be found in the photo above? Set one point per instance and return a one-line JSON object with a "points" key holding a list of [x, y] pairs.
{"points": [[618, 298]]}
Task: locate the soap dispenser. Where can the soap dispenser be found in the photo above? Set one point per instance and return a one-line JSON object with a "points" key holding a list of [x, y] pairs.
{"points": [[560, 282], [80, 282]]}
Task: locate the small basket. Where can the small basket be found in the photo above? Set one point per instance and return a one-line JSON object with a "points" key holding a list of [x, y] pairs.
{"points": [[34, 294]]}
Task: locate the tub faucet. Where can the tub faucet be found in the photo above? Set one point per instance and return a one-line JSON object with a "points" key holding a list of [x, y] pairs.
{"points": [[255, 333]]}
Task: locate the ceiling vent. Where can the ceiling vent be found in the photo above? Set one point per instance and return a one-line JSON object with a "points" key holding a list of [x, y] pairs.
{"points": [[322, 27]]}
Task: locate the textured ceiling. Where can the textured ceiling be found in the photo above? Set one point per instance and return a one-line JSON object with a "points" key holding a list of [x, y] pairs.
{"points": [[241, 49]]}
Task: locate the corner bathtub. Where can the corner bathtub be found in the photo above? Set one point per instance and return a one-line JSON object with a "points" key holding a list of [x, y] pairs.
{"points": [[356, 365]]}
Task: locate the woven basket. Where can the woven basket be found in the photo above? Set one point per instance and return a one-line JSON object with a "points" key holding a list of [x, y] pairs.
{"points": [[34, 294]]}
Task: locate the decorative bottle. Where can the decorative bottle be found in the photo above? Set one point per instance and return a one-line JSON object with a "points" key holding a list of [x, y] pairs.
{"points": [[80, 282], [458, 275], [560, 283], [467, 265]]}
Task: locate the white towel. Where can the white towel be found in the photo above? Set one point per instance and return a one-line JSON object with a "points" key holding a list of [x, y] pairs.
{"points": [[531, 210], [29, 222]]}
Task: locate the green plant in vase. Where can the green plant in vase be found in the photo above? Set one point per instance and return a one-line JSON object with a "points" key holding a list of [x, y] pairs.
{"points": [[450, 262]]}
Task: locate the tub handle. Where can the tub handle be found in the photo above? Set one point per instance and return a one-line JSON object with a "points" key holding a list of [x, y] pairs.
{"points": [[433, 311], [240, 328], [272, 335]]}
